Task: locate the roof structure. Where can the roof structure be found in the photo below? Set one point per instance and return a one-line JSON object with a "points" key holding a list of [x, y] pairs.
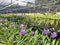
{"points": [[13, 7]]}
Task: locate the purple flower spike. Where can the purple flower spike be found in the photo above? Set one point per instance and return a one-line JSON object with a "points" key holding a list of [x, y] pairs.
{"points": [[22, 32], [46, 31], [53, 35], [32, 32], [21, 26]]}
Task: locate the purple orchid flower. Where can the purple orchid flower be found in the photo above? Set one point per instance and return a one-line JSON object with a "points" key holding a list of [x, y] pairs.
{"points": [[53, 35], [32, 32], [22, 32], [21, 26], [46, 31]]}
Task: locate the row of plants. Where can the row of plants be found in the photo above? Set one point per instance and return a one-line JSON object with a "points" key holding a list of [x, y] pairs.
{"points": [[28, 30], [42, 20]]}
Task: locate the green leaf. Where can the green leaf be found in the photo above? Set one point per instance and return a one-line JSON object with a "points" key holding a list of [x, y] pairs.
{"points": [[11, 38], [53, 42], [57, 42], [1, 33]]}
